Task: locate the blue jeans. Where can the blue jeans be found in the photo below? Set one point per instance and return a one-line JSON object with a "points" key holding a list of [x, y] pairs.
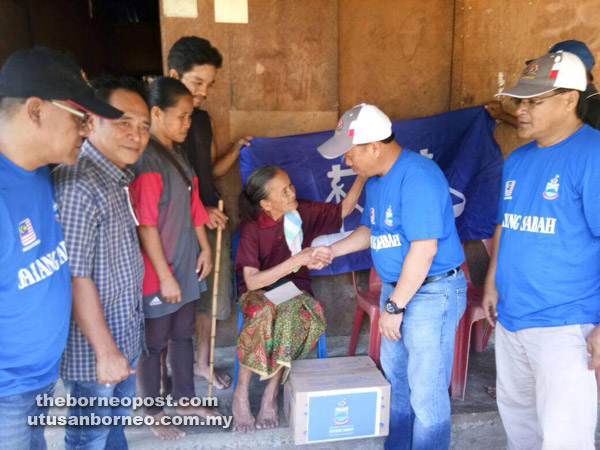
{"points": [[419, 365], [15, 432], [99, 437]]}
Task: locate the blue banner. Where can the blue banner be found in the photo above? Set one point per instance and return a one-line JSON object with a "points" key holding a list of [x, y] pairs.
{"points": [[461, 142]]}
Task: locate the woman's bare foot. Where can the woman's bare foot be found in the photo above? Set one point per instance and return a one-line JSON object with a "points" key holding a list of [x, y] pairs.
{"points": [[220, 380], [268, 416], [165, 432], [197, 411], [243, 420]]}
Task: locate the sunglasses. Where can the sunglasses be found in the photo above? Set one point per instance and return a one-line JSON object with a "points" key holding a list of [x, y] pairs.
{"points": [[85, 117]]}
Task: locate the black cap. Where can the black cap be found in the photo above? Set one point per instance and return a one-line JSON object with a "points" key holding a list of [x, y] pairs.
{"points": [[51, 75]]}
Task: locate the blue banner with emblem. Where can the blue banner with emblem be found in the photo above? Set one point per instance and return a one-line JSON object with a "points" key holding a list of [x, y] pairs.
{"points": [[461, 142]]}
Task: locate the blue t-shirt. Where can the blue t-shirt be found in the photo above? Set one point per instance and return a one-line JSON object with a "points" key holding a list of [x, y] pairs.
{"points": [[35, 285], [409, 203], [548, 271]]}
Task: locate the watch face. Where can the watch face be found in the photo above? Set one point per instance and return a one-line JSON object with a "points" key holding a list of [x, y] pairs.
{"points": [[390, 308]]}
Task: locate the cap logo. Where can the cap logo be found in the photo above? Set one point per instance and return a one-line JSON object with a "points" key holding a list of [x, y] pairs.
{"points": [[531, 71], [351, 132]]}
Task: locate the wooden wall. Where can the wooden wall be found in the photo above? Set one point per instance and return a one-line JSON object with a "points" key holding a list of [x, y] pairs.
{"points": [[396, 55], [279, 74], [14, 27], [493, 39], [95, 44]]}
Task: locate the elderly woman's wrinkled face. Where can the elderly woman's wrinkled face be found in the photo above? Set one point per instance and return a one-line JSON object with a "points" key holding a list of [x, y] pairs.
{"points": [[281, 196]]}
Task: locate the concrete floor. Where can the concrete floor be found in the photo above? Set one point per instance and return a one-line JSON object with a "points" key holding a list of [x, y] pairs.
{"points": [[475, 422]]}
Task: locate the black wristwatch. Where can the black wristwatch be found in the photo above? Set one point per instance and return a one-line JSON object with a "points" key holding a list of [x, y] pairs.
{"points": [[391, 308]]}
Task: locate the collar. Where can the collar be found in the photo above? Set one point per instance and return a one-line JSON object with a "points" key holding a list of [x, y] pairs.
{"points": [[264, 221], [121, 177]]}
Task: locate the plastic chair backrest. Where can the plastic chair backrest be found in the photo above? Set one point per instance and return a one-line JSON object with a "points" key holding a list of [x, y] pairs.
{"points": [[374, 281]]}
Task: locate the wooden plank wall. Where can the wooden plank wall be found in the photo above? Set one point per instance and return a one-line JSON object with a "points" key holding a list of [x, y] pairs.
{"points": [[494, 38], [279, 74], [396, 55]]}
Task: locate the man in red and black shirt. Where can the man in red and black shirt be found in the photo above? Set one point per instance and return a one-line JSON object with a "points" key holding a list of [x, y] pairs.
{"points": [[194, 61]]}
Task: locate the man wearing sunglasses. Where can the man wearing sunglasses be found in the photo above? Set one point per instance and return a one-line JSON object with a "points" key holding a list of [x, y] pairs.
{"points": [[44, 103], [542, 290]]}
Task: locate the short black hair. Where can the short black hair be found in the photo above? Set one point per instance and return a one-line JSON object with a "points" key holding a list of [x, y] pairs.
{"points": [[388, 140], [165, 92], [104, 85], [9, 105], [190, 51]]}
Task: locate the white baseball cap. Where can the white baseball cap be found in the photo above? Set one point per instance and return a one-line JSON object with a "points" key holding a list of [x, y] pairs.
{"points": [[548, 73], [362, 124]]}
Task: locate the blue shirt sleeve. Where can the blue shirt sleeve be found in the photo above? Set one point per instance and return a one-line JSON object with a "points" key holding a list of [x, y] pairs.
{"points": [[590, 190], [365, 216], [424, 196]]}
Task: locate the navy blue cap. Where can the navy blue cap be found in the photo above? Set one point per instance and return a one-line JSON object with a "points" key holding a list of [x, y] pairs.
{"points": [[51, 75], [578, 48]]}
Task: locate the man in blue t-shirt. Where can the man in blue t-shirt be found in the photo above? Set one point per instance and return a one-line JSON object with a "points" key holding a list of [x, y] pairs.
{"points": [[43, 104], [408, 222], [543, 284]]}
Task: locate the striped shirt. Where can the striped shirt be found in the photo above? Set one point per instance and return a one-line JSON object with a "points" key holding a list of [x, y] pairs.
{"points": [[101, 239]]}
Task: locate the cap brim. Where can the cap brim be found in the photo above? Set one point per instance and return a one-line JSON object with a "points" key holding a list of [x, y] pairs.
{"points": [[520, 91], [335, 146], [92, 105]]}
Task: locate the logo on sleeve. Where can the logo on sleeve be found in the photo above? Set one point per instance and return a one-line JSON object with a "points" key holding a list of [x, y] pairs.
{"points": [[56, 212], [27, 235], [372, 216], [508, 190], [389, 217], [551, 191]]}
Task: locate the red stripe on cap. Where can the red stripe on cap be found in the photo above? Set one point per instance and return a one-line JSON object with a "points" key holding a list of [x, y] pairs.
{"points": [[87, 110], [553, 73], [351, 132]]}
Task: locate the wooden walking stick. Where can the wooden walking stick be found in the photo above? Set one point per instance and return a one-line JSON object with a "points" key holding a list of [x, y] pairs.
{"points": [[213, 328]]}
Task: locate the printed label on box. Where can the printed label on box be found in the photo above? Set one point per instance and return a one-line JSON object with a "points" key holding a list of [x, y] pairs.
{"points": [[346, 415]]}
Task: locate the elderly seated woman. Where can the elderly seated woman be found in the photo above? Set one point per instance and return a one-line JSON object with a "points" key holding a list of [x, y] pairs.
{"points": [[274, 247]]}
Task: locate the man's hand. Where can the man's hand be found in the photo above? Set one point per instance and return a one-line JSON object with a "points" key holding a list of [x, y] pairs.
{"points": [[593, 344], [304, 257], [389, 325], [112, 368], [323, 254], [204, 264], [244, 141], [495, 109], [321, 257], [490, 299], [169, 289], [216, 218]]}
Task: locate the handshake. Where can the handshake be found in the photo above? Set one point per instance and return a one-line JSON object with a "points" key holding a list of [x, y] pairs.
{"points": [[314, 258]]}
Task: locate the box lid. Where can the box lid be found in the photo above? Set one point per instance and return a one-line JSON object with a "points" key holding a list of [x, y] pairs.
{"points": [[328, 381], [343, 364]]}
